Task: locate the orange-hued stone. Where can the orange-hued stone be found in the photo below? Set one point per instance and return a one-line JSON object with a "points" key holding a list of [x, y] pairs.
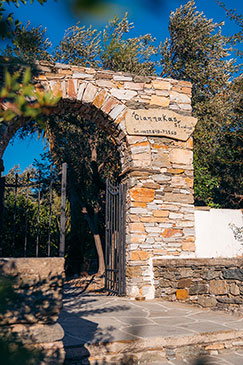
{"points": [[169, 232], [188, 246], [65, 72], [142, 194], [141, 144], [120, 118], [153, 220], [175, 171], [138, 204], [182, 294], [109, 104], [42, 77], [137, 238], [139, 255], [159, 146], [189, 182], [100, 98], [71, 89], [189, 143], [134, 218], [160, 213], [56, 89], [187, 90], [136, 227]]}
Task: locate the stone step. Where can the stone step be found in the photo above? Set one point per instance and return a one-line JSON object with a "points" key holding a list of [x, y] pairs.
{"points": [[156, 350]]}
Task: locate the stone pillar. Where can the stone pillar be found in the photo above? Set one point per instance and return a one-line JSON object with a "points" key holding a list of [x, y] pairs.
{"points": [[160, 210]]}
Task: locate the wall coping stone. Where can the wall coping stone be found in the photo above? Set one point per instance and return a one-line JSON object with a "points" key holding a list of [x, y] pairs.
{"points": [[199, 262]]}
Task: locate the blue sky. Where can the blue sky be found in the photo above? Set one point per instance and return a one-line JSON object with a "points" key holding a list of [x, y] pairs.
{"points": [[56, 16]]}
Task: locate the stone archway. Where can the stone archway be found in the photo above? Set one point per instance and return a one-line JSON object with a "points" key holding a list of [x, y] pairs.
{"points": [[150, 119]]}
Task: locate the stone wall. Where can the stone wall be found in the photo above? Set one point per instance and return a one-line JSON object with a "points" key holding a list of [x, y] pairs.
{"points": [[30, 313], [209, 283]]}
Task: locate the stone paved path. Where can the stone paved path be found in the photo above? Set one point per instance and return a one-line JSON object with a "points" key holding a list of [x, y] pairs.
{"points": [[97, 325]]}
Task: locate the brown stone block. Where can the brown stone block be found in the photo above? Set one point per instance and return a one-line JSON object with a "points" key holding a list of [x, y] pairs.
{"points": [[151, 185], [159, 100], [234, 289], [121, 117], [207, 302], [181, 156], [41, 77], [186, 90], [161, 85], [139, 255], [188, 246], [176, 88], [133, 271], [160, 213], [218, 287], [185, 84], [184, 283], [160, 146], [198, 288], [180, 198], [138, 238], [170, 232], [100, 98], [153, 220], [142, 194], [56, 89], [178, 181], [215, 346], [136, 227], [133, 218], [65, 72], [109, 104], [189, 143], [175, 171], [141, 144], [189, 182], [71, 89], [138, 204], [182, 294]]}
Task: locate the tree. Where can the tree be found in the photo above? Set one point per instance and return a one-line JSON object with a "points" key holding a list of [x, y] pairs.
{"points": [[197, 52], [108, 49]]}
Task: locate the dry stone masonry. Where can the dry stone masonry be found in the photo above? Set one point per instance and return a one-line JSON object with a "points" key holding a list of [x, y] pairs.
{"points": [[209, 283], [32, 311], [150, 120]]}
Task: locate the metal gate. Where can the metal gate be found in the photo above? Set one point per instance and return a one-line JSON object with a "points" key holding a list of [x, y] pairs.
{"points": [[115, 238]]}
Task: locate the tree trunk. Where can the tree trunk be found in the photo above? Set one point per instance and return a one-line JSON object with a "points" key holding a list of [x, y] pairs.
{"points": [[93, 225], [99, 249]]}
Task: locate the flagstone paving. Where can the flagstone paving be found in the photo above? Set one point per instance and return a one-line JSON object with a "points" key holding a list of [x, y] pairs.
{"points": [[99, 327]]}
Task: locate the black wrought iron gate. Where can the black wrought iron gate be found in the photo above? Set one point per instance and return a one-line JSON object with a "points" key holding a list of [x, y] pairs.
{"points": [[115, 239]]}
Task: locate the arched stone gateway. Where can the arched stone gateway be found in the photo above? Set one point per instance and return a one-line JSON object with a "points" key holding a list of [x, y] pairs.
{"points": [[150, 120]]}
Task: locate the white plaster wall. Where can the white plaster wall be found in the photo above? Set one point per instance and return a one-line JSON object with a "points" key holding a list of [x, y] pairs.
{"points": [[214, 237]]}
